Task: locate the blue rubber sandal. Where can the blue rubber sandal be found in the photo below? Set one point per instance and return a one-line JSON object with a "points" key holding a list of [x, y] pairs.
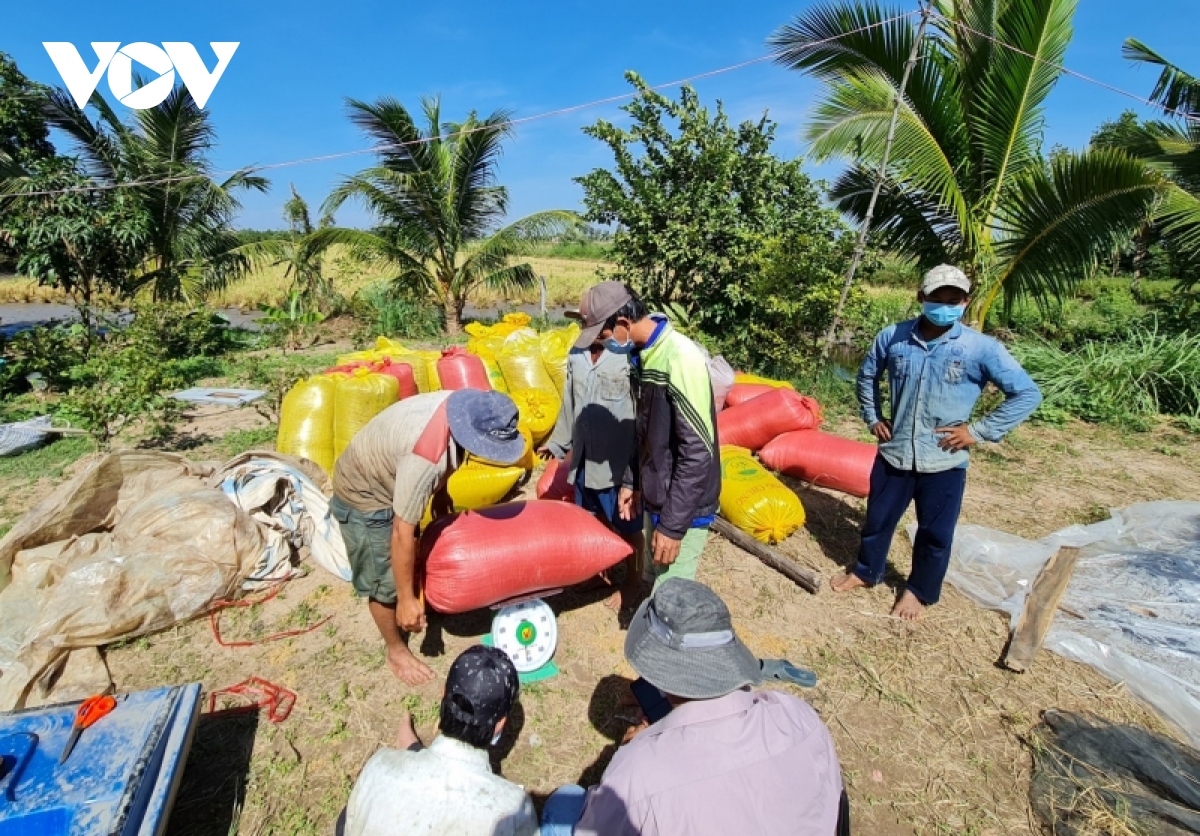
{"points": [[784, 671]]}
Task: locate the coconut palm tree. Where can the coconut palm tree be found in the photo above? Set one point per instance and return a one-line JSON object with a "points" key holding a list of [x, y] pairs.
{"points": [[1172, 147], [163, 151], [299, 255], [967, 182], [437, 206]]}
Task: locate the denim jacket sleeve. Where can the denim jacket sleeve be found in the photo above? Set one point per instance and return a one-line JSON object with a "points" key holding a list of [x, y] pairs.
{"points": [[1021, 395], [869, 375]]}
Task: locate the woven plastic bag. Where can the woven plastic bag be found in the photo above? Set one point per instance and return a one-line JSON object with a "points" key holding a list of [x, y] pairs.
{"points": [[538, 410], [486, 349], [555, 346], [742, 377], [403, 372], [306, 421], [520, 360], [357, 399], [553, 482], [754, 500], [827, 461], [459, 370], [739, 393], [479, 558], [752, 425], [478, 484]]}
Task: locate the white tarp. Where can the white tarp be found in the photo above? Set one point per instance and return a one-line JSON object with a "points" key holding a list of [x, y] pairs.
{"points": [[1132, 608]]}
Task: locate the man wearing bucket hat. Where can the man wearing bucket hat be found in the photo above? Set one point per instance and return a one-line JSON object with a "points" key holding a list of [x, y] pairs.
{"points": [[382, 484], [936, 368], [725, 759], [449, 786], [678, 477]]}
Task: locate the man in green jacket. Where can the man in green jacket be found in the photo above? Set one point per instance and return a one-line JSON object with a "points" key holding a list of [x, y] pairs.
{"points": [[679, 464]]}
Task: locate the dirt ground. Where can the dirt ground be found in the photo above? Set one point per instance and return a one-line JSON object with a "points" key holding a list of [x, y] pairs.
{"points": [[931, 733]]}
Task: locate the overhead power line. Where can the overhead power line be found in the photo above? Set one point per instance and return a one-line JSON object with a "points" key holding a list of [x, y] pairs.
{"points": [[397, 145]]}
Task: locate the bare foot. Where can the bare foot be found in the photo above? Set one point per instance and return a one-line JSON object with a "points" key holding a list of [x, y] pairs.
{"points": [[407, 735], [908, 607], [846, 582], [408, 668], [626, 598]]}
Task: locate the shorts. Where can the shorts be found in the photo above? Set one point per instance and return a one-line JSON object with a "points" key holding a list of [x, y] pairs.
{"points": [[368, 538], [603, 503]]}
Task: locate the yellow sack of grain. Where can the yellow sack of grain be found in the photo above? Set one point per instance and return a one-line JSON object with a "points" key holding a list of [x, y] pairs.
{"points": [[741, 377], [520, 360], [358, 398], [754, 500], [555, 346], [306, 421], [485, 348], [538, 410], [478, 484]]}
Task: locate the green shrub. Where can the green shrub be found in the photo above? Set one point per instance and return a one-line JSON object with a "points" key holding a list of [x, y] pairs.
{"points": [[386, 313], [1123, 382], [50, 351]]}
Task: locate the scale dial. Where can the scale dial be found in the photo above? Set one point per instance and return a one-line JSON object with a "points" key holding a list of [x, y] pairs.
{"points": [[527, 632]]}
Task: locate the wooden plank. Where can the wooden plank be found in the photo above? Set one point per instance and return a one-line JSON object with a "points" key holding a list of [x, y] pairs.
{"points": [[776, 560], [1040, 606]]}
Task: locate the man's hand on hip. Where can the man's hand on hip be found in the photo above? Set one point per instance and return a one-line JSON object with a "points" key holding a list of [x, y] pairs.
{"points": [[954, 438], [666, 549], [410, 615]]}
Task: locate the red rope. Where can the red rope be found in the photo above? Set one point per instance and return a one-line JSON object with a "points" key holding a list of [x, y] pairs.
{"points": [[214, 617]]}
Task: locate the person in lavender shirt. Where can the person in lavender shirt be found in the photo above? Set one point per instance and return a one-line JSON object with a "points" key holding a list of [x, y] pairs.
{"points": [[724, 759]]}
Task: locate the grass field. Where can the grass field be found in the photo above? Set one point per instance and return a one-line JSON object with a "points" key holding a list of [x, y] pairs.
{"points": [[565, 280]]}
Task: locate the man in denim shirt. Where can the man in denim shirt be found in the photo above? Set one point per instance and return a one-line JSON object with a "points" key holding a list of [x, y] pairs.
{"points": [[936, 369]]}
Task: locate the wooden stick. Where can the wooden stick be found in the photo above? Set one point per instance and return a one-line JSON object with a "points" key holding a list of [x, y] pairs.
{"points": [[803, 577], [1039, 609]]}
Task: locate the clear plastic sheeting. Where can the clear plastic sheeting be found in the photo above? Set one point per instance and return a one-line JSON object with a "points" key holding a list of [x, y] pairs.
{"points": [[1132, 608]]}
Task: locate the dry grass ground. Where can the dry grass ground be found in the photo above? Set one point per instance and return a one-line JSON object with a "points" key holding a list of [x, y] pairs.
{"points": [[931, 734], [565, 280]]}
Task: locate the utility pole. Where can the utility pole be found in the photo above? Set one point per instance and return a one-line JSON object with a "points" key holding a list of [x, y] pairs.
{"points": [[861, 246]]}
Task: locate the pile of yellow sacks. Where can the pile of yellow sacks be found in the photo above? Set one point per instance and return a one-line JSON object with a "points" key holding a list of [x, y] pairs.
{"points": [[321, 414], [530, 367]]}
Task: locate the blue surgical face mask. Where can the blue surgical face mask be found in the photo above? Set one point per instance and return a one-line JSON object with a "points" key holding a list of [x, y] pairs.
{"points": [[611, 344], [941, 314]]}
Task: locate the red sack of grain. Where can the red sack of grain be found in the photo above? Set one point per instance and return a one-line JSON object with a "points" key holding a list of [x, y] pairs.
{"points": [[459, 370], [758, 421], [553, 483], [739, 393], [403, 372], [828, 461], [479, 558], [347, 368]]}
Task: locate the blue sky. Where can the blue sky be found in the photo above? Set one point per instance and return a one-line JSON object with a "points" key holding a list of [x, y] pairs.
{"points": [[282, 97]]}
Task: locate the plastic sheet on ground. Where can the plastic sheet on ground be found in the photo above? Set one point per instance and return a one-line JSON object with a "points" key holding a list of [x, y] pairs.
{"points": [[136, 543], [23, 435], [1132, 608], [285, 497]]}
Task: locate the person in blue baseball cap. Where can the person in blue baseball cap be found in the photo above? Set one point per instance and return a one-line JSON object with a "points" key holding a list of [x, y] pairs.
{"points": [[383, 482]]}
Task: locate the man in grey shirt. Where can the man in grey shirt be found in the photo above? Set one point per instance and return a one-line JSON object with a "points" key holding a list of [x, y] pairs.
{"points": [[596, 425]]}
